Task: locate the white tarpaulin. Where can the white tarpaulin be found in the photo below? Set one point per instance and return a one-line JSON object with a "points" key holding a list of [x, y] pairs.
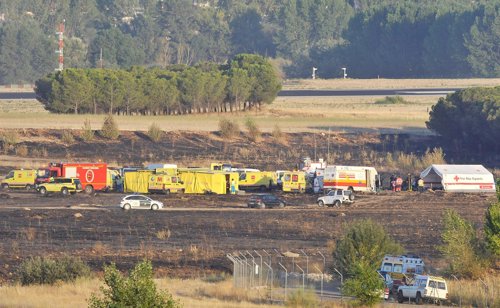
{"points": [[459, 178]]}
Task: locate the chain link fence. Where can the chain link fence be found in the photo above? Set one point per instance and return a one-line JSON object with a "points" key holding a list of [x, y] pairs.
{"points": [[281, 273]]}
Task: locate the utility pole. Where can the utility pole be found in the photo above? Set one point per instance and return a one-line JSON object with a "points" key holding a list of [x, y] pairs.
{"points": [[60, 36]]}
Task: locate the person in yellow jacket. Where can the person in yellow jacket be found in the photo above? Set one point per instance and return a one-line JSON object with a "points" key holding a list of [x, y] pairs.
{"points": [[420, 184]]}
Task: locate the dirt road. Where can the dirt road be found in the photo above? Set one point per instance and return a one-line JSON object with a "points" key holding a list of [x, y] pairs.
{"points": [[194, 233]]}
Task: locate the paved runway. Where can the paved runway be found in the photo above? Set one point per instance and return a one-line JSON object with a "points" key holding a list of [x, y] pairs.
{"points": [[373, 92]]}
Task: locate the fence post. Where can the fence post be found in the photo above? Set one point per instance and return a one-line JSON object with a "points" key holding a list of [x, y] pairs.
{"points": [[260, 269], [459, 293], [324, 260], [245, 269], [272, 280], [253, 269], [286, 280], [303, 277], [486, 291], [321, 297], [234, 268], [307, 262]]}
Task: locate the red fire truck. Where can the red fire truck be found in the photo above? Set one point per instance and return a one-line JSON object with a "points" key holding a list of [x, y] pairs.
{"points": [[92, 175]]}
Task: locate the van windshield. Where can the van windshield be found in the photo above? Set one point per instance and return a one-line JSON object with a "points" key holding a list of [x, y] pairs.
{"points": [[398, 268], [10, 175]]}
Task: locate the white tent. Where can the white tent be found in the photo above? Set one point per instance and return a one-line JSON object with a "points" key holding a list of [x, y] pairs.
{"points": [[459, 178]]}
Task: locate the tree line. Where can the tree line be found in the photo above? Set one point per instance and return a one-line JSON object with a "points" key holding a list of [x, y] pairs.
{"points": [[386, 38], [247, 81], [469, 118]]}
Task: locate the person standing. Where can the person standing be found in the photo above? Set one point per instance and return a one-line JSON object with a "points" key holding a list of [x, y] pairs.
{"points": [[420, 184], [233, 187]]}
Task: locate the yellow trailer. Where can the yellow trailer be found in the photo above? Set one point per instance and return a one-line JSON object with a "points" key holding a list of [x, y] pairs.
{"points": [[294, 181], [202, 182], [20, 179], [137, 181]]}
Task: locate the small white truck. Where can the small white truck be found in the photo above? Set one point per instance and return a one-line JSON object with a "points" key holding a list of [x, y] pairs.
{"points": [[426, 288], [336, 198]]}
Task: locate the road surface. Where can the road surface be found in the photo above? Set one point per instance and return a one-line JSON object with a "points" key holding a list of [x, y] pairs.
{"points": [[372, 92]]}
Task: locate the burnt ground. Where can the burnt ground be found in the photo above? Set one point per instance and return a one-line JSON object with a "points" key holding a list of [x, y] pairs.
{"points": [[193, 233]]}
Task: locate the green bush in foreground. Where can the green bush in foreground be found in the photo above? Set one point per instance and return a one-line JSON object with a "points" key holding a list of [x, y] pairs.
{"points": [[365, 284], [41, 270], [302, 299], [492, 228], [136, 290]]}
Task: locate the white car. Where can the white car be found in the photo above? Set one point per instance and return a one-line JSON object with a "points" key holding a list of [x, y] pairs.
{"points": [[336, 198], [426, 288], [140, 201]]}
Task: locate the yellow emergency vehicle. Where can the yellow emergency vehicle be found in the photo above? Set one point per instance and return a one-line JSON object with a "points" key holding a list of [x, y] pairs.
{"points": [[20, 179], [294, 181], [256, 180], [165, 184]]}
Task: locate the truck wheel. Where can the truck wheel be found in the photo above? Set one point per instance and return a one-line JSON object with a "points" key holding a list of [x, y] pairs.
{"points": [[351, 197], [154, 207], [337, 203], [65, 191], [262, 205], [401, 298], [321, 203], [166, 192], [126, 206], [418, 299], [282, 205], [89, 189], [29, 187], [43, 191], [5, 186]]}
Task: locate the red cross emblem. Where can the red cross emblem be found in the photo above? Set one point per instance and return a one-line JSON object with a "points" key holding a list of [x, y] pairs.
{"points": [[456, 178]]}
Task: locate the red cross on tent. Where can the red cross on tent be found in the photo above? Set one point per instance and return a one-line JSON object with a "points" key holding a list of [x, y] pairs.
{"points": [[456, 178]]}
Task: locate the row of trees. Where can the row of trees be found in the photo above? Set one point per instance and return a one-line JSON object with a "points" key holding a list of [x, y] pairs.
{"points": [[387, 38], [247, 81], [470, 118]]}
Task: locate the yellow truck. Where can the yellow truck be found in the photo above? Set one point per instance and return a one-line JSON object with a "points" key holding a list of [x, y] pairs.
{"points": [[257, 180], [165, 184], [20, 179], [294, 181], [209, 182]]}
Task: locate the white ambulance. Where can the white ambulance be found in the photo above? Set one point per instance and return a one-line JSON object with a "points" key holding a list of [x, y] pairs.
{"points": [[354, 178]]}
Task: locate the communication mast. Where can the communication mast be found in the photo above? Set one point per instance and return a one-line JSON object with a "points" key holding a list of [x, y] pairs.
{"points": [[60, 35]]}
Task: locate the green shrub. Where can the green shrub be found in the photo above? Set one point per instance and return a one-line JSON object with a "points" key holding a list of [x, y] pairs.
{"points": [[253, 130], [392, 100], [41, 270], [363, 240], [302, 299], [492, 228], [136, 290], [87, 134], [461, 248], [155, 133], [8, 139], [364, 284], [278, 135], [21, 150], [228, 129], [109, 128], [67, 137]]}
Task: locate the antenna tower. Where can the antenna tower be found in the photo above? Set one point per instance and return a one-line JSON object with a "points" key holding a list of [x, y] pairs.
{"points": [[60, 35]]}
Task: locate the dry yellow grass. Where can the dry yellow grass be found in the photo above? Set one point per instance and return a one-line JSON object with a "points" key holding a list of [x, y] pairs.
{"points": [[474, 294], [295, 84]]}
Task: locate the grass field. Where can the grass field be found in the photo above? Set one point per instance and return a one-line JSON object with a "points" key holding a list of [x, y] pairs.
{"points": [[295, 84], [291, 114]]}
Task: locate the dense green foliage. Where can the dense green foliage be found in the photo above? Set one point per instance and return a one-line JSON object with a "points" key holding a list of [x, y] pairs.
{"points": [[492, 228], [136, 290], [462, 249], [247, 81], [41, 270], [364, 284], [387, 38], [364, 242], [469, 118]]}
